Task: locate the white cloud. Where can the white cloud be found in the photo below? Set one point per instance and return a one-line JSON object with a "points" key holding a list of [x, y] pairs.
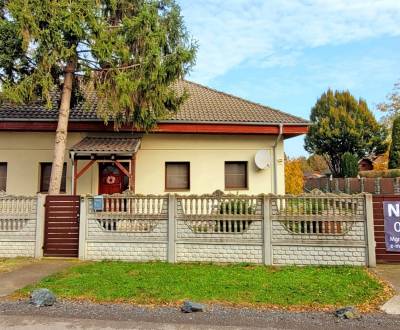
{"points": [[274, 32]]}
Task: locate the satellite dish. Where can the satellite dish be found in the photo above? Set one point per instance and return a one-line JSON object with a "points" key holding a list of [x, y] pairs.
{"points": [[262, 159]]}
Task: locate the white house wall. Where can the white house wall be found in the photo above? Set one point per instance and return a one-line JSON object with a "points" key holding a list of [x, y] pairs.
{"points": [[24, 151]]}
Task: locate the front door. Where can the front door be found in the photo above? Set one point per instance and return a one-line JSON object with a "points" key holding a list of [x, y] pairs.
{"points": [[111, 179]]}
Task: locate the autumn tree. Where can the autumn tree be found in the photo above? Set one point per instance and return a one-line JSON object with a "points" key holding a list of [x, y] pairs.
{"points": [[342, 124], [294, 181], [391, 107], [128, 52], [381, 162], [317, 163], [394, 153]]}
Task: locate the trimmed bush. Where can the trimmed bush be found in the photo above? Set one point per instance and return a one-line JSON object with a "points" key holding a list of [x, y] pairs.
{"points": [[380, 174], [349, 165]]}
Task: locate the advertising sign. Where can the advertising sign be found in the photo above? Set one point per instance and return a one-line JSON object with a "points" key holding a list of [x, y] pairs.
{"points": [[391, 211]]}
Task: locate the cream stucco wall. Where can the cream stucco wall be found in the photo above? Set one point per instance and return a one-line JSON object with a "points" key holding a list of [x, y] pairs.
{"points": [[23, 153]]}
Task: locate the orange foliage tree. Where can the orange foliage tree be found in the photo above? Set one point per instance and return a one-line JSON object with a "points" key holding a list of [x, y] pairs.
{"points": [[294, 181], [381, 163]]}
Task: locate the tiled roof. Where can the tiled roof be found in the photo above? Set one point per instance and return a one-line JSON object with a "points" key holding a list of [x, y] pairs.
{"points": [[106, 145], [204, 105]]}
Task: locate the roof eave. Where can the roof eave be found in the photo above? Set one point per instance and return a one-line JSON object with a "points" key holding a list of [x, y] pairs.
{"points": [[253, 123]]}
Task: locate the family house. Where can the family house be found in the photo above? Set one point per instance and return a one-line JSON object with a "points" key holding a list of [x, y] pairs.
{"points": [[215, 142], [210, 144]]}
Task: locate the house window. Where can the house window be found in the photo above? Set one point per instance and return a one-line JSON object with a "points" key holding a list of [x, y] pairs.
{"points": [[45, 173], [3, 176], [177, 176], [236, 175]]}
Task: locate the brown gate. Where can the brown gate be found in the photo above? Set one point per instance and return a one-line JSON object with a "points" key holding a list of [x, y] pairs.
{"points": [[382, 255], [61, 237]]}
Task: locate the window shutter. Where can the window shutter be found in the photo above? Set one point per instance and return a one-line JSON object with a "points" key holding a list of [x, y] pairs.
{"points": [[45, 174], [177, 176], [236, 175], [3, 176]]}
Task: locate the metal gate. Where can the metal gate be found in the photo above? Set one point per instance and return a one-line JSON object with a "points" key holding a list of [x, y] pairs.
{"points": [[61, 237]]}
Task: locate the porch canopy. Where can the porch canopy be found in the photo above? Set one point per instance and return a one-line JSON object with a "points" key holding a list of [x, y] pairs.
{"points": [[104, 148]]}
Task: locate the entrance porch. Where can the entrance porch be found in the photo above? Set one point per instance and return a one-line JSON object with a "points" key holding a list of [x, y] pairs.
{"points": [[116, 158]]}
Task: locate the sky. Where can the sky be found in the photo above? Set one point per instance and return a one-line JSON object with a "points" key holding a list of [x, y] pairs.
{"points": [[286, 53]]}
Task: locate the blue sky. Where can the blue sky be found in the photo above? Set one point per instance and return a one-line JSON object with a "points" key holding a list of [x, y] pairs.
{"points": [[286, 53]]}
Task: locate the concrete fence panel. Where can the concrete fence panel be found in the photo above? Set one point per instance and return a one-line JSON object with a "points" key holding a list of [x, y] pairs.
{"points": [[127, 227], [19, 226]]}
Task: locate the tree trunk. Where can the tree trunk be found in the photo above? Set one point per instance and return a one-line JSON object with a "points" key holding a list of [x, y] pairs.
{"points": [[62, 130]]}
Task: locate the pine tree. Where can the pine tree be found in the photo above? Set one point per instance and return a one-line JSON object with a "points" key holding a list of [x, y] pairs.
{"points": [[342, 124], [129, 52], [394, 153]]}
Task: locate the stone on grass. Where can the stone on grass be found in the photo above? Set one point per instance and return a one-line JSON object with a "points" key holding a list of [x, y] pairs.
{"points": [[192, 307], [347, 313], [42, 297]]}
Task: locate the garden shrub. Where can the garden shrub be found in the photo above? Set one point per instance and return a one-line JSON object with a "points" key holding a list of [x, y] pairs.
{"points": [[394, 173], [349, 165], [294, 180]]}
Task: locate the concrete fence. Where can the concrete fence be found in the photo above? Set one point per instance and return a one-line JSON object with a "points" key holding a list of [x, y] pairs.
{"points": [[311, 229], [18, 226]]}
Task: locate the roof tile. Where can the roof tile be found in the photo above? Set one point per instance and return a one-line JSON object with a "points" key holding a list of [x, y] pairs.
{"points": [[107, 144], [204, 105]]}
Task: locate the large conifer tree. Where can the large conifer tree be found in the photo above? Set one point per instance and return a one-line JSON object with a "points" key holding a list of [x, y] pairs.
{"points": [[342, 124], [129, 52]]}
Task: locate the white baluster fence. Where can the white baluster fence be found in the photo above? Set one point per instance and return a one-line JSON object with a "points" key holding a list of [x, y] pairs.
{"points": [[18, 226], [317, 228]]}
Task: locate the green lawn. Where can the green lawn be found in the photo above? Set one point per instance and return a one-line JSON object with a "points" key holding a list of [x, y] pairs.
{"points": [[162, 283]]}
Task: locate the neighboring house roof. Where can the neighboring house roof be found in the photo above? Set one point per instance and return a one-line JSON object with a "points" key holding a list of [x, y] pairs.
{"points": [[313, 175], [366, 160], [204, 105], [106, 145]]}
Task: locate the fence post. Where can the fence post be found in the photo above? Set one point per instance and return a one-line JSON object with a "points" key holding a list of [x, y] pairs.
{"points": [[370, 236], [267, 231], [377, 186], [362, 184], [39, 239], [347, 185], [396, 186], [82, 228], [336, 185], [171, 228]]}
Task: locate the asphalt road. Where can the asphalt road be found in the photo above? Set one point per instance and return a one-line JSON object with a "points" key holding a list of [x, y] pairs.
{"points": [[70, 315]]}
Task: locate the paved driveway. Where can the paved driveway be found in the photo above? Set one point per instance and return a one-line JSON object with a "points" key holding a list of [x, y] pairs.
{"points": [[31, 273], [391, 273]]}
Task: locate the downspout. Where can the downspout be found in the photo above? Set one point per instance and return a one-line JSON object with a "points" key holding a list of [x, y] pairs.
{"points": [[275, 160], [72, 156]]}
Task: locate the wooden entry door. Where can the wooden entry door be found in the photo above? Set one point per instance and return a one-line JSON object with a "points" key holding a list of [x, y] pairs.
{"points": [[61, 237], [111, 179]]}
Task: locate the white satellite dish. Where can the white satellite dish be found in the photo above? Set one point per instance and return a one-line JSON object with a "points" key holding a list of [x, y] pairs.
{"points": [[262, 159]]}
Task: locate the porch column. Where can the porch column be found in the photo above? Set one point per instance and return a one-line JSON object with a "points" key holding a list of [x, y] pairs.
{"points": [[132, 174]]}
